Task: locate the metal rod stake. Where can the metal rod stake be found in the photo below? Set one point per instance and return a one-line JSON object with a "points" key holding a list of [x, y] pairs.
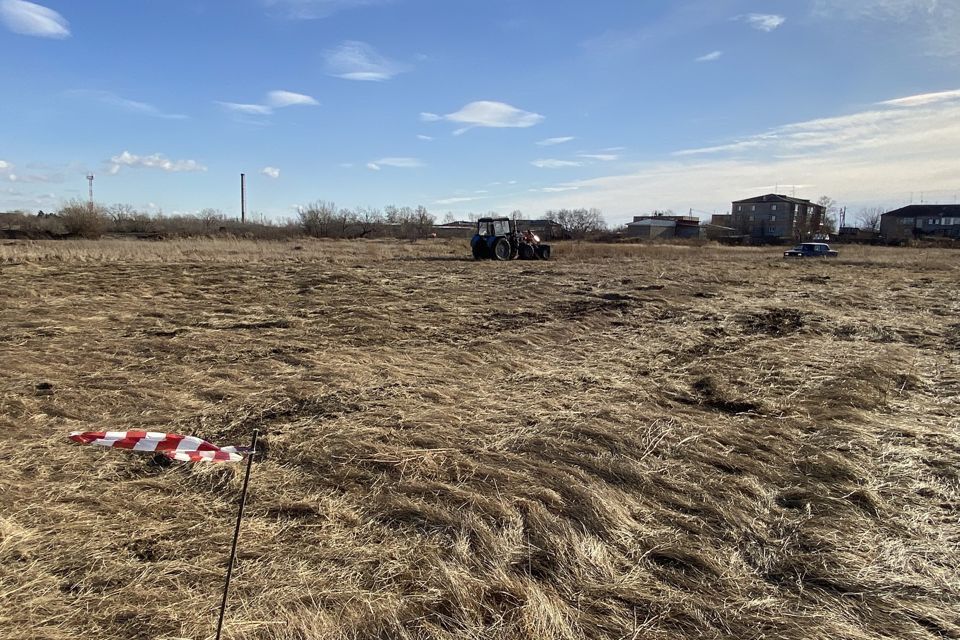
{"points": [[236, 532]]}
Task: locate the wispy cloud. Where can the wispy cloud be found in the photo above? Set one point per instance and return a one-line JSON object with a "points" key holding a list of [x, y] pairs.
{"points": [[459, 199], [397, 162], [420, 136], [931, 25], [602, 157], [154, 161], [247, 109], [487, 113], [557, 189], [763, 21], [271, 172], [923, 99], [872, 156], [279, 99], [710, 57], [53, 176], [549, 142], [355, 60], [552, 163], [276, 99], [29, 19], [313, 9], [133, 106]]}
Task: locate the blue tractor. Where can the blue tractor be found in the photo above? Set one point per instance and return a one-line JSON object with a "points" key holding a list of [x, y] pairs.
{"points": [[498, 239]]}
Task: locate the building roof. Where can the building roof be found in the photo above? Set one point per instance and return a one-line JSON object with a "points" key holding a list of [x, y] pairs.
{"points": [[661, 221], [920, 210], [692, 219], [773, 197]]}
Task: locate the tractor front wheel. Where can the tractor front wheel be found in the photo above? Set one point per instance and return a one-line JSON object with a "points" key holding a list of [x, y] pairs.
{"points": [[502, 250], [544, 251]]}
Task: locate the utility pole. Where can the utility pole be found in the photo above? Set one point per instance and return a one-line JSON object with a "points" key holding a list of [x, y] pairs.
{"points": [[243, 198], [90, 184]]}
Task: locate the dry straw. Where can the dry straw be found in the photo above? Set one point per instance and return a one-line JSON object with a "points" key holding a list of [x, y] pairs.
{"points": [[625, 442]]}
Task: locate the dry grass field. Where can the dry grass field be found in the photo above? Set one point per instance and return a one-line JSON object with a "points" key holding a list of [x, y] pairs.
{"points": [[626, 442]]}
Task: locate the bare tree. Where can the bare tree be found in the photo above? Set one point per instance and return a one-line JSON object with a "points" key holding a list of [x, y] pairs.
{"points": [[317, 217], [367, 220], [869, 218], [829, 222], [580, 223], [212, 217]]}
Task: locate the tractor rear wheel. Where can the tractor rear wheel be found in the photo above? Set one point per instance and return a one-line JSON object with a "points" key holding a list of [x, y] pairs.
{"points": [[502, 250]]}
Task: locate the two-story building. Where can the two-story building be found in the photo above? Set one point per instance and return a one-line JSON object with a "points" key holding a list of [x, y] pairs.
{"points": [[921, 220], [777, 218]]}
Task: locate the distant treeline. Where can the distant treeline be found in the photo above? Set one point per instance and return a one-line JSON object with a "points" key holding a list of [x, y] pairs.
{"points": [[320, 219]]}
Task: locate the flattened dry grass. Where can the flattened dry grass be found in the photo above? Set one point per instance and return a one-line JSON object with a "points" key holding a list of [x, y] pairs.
{"points": [[627, 442]]}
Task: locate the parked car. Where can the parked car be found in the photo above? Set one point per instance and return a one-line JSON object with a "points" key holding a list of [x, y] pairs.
{"points": [[811, 250]]}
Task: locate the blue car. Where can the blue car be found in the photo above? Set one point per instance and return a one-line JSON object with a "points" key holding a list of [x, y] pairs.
{"points": [[811, 250]]}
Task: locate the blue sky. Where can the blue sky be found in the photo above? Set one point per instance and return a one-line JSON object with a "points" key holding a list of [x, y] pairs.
{"points": [[474, 106]]}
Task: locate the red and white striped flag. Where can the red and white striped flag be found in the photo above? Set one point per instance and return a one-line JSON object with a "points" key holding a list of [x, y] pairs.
{"points": [[172, 445]]}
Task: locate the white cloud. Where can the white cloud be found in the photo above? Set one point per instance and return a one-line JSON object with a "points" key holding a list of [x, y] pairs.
{"points": [[763, 21], [271, 172], [247, 109], [602, 157], [133, 106], [457, 200], [420, 136], [877, 156], [549, 142], [155, 161], [31, 19], [550, 163], [313, 9], [558, 189], [279, 99], [923, 99], [487, 113], [276, 99], [400, 163], [354, 60], [710, 57], [5, 166]]}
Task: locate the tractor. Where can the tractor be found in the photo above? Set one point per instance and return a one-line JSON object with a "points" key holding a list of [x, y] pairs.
{"points": [[499, 239]]}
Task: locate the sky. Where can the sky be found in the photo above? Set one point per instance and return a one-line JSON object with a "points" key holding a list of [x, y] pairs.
{"points": [[471, 106]]}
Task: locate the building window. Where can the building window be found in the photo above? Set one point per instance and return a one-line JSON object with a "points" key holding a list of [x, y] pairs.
{"points": [[773, 218], [753, 207], [774, 207], [739, 207], [750, 218], [906, 221]]}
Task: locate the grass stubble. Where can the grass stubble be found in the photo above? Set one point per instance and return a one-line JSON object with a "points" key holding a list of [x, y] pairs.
{"points": [[626, 442]]}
